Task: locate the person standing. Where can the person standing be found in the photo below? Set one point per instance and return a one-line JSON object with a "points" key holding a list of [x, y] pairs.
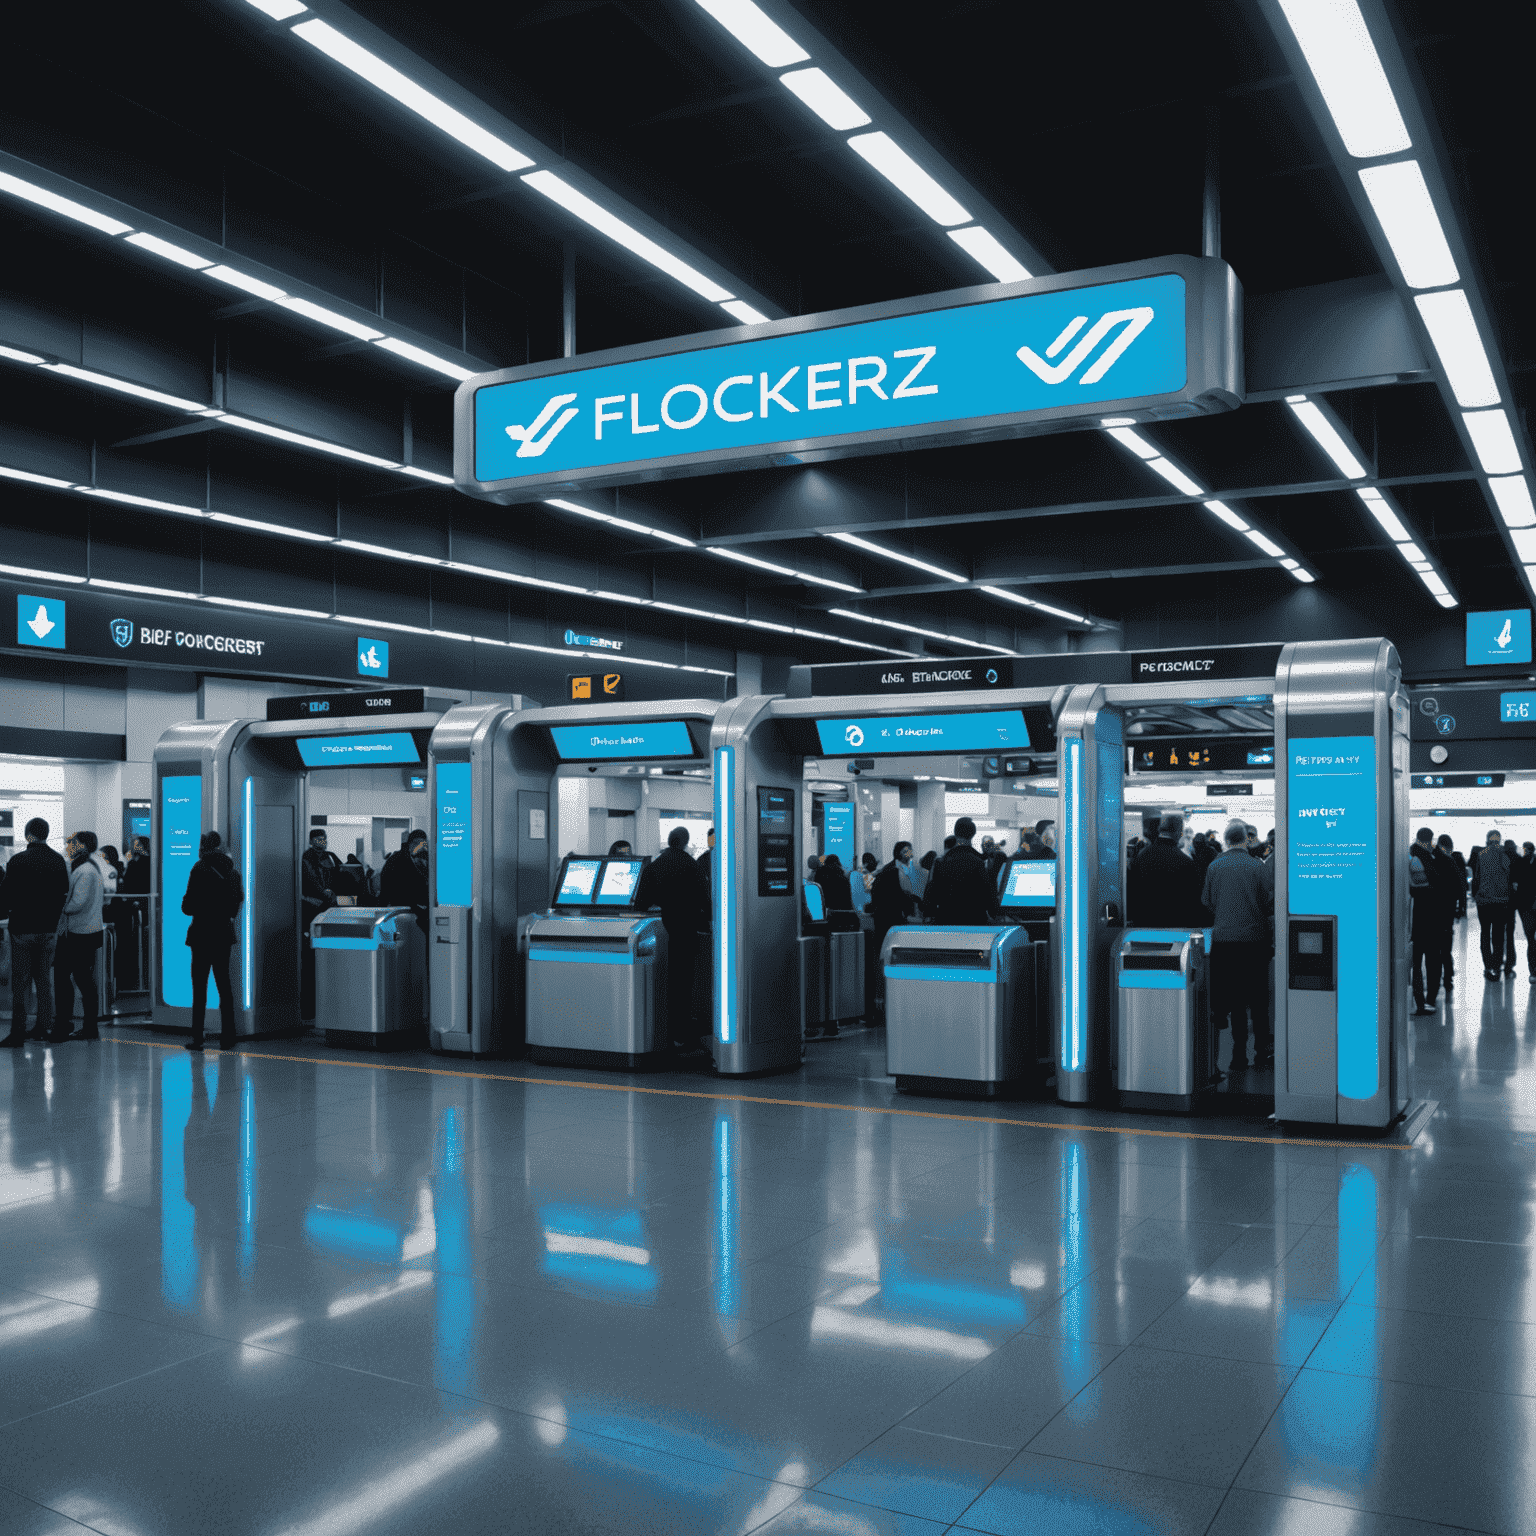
{"points": [[891, 900], [1456, 906], [673, 883], [80, 937], [1525, 905], [1427, 893], [1491, 890], [32, 896], [960, 892], [1448, 848], [403, 879], [1240, 893], [1162, 888], [214, 898]]}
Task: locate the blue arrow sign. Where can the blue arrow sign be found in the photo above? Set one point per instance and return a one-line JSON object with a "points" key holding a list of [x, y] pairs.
{"points": [[985, 361]]}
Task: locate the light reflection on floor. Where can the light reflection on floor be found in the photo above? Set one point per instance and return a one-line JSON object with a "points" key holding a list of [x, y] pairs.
{"points": [[448, 1303]]}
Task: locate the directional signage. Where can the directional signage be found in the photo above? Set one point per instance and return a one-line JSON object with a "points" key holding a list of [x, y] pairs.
{"points": [[1145, 341], [328, 706]]}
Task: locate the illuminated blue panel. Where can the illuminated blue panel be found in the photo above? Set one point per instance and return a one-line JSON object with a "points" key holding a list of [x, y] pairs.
{"points": [[1500, 638], [1152, 981], [455, 835], [725, 895], [964, 363], [938, 973], [1074, 909], [650, 738], [837, 833], [977, 731], [581, 957], [1517, 708], [727, 1254], [248, 1177], [1331, 862], [814, 904], [248, 865], [181, 827], [1031, 883], [178, 1250], [355, 751]]}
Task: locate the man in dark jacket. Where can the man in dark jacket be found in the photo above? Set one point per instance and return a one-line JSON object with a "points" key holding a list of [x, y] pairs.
{"points": [[318, 876], [1240, 892], [1429, 890], [1162, 887], [214, 897], [403, 880], [673, 882], [890, 902], [135, 881], [1456, 879], [32, 895], [1492, 890], [960, 894]]}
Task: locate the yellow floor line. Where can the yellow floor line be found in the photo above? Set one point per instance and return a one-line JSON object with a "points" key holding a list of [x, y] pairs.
{"points": [[747, 1098]]}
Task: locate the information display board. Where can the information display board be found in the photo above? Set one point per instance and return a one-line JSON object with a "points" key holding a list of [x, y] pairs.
{"points": [[1500, 638], [837, 833], [1332, 868], [181, 828], [358, 751], [642, 739], [455, 835], [912, 735]]}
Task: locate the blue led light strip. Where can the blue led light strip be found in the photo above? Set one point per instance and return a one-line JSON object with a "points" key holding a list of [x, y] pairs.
{"points": [[248, 870], [725, 897], [1074, 915]]}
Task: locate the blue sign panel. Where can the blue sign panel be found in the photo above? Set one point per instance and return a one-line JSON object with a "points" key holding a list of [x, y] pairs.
{"points": [[650, 738], [358, 751], [837, 833], [1517, 708], [1332, 870], [181, 829], [1499, 638], [372, 657], [957, 365], [982, 731], [40, 621], [455, 836]]}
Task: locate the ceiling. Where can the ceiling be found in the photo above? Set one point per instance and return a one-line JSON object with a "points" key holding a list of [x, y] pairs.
{"points": [[1084, 137]]}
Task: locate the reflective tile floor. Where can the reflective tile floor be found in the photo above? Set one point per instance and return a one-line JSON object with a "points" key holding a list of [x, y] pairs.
{"points": [[312, 1297]]}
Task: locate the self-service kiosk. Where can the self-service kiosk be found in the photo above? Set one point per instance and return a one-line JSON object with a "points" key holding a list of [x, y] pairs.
{"points": [[596, 984], [248, 780], [498, 869]]}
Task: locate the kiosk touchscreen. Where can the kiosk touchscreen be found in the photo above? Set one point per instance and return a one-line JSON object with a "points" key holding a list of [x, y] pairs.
{"points": [[578, 879], [1030, 887], [617, 885], [597, 885]]}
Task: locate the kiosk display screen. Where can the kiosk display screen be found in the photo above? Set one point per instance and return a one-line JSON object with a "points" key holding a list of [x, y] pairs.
{"points": [[643, 739], [181, 826], [351, 751], [577, 883], [455, 835], [620, 878], [980, 731], [814, 903], [1031, 883]]}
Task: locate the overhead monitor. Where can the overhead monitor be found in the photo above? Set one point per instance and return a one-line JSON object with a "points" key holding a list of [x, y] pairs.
{"points": [[1500, 638], [358, 751], [1517, 708], [1030, 883], [618, 883], [989, 730], [635, 741], [577, 881]]}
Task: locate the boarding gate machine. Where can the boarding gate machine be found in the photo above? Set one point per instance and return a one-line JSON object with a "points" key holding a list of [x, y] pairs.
{"points": [[495, 863], [1162, 1036], [248, 780], [1343, 1051]]}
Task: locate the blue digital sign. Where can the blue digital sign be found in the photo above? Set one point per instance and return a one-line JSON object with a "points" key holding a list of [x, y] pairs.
{"points": [[966, 363], [1331, 861], [40, 621], [1500, 638], [358, 751], [455, 835], [181, 829], [1517, 708], [650, 738], [837, 833], [372, 657], [982, 731]]}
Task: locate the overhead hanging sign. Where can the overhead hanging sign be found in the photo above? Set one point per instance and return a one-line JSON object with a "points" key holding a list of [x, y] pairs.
{"points": [[1145, 341]]}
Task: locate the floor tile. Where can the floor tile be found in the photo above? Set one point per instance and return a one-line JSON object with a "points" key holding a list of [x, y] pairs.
{"points": [[932, 1475], [1245, 1513]]}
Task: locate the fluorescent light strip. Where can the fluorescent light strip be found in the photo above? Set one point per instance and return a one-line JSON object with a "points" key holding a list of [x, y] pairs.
{"points": [[279, 10], [904, 173], [243, 281], [301, 441], [826, 98], [1337, 46], [1135, 442], [739, 309], [70, 209], [1175, 476], [891, 554], [140, 501], [1512, 495], [417, 473], [1227, 515], [784, 570], [620, 522], [756, 31], [991, 253], [594, 214], [35, 575], [1266, 543], [930, 634], [15, 356], [324, 316], [1376, 505], [1406, 213], [7, 473], [389, 554], [129, 586], [427, 359], [158, 247], [1493, 442], [122, 386], [240, 602], [1030, 602], [409, 94], [1326, 436], [1448, 319]]}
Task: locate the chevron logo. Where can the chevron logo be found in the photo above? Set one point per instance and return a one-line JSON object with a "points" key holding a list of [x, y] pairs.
{"points": [[1133, 323], [531, 445]]}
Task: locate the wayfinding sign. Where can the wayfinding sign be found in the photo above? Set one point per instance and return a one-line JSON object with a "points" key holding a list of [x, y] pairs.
{"points": [[1145, 341]]}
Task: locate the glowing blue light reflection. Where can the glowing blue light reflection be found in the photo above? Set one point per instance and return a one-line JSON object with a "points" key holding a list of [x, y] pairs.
{"points": [[597, 1249], [727, 1255], [248, 1179], [178, 1251], [454, 1289]]}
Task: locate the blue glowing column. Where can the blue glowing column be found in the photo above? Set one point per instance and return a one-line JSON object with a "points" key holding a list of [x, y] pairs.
{"points": [[726, 896], [181, 825], [727, 1254]]}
